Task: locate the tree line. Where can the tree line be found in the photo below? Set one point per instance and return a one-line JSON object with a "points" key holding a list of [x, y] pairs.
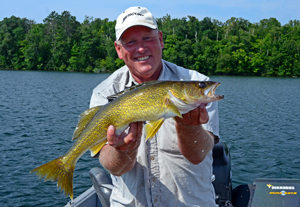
{"points": [[234, 47]]}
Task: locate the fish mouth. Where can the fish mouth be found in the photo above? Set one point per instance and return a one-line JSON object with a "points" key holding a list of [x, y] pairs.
{"points": [[210, 92]]}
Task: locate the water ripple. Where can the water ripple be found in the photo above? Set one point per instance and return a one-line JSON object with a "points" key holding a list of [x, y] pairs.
{"points": [[39, 112], [259, 120]]}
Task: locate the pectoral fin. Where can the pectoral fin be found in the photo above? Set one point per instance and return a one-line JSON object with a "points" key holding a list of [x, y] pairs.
{"points": [[172, 107], [152, 127], [95, 149]]}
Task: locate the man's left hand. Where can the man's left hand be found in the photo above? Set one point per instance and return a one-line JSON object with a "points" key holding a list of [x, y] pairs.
{"points": [[195, 117]]}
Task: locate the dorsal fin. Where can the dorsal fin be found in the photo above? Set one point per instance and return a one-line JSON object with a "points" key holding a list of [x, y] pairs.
{"points": [[115, 96], [85, 118]]}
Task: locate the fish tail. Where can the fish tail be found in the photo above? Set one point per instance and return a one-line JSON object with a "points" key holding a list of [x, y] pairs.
{"points": [[55, 170]]}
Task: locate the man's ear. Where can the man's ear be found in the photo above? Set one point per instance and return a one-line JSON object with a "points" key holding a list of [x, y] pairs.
{"points": [[118, 49], [160, 36]]}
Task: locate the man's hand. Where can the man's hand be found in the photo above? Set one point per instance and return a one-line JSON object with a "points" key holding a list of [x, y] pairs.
{"points": [[195, 117], [126, 142], [119, 156], [193, 141]]}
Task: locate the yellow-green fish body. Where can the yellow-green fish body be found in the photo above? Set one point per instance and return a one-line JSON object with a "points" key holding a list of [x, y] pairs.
{"points": [[153, 101]]}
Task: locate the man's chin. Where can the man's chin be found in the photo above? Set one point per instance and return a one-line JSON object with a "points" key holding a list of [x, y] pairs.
{"points": [[144, 68]]}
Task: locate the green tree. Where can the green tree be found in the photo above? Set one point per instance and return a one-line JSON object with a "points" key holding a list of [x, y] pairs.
{"points": [[13, 31], [169, 52], [235, 47], [60, 31], [75, 57], [36, 51]]}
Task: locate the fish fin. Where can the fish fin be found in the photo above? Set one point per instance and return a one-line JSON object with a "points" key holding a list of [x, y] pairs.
{"points": [[56, 170], [95, 149], [172, 107], [117, 95], [152, 127], [85, 118]]}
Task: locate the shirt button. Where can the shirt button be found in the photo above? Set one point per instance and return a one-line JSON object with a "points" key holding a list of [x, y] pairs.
{"points": [[154, 179], [155, 200], [152, 157]]}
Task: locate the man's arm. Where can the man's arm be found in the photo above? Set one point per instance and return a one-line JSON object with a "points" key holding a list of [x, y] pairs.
{"points": [[194, 142], [119, 155]]}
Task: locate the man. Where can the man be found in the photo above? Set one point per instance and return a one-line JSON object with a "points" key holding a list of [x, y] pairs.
{"points": [[174, 168]]}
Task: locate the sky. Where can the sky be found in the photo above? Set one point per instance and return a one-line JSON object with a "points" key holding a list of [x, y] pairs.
{"points": [[222, 10]]}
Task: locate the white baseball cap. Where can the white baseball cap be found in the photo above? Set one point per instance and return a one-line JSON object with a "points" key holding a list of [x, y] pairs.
{"points": [[134, 16]]}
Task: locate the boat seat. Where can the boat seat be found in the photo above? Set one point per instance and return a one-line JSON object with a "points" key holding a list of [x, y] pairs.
{"points": [[222, 172], [102, 183]]}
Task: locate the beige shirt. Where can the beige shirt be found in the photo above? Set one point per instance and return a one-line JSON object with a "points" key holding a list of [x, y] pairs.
{"points": [[162, 176]]}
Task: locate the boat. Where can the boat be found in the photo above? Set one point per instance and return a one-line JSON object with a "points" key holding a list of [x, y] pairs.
{"points": [[262, 192]]}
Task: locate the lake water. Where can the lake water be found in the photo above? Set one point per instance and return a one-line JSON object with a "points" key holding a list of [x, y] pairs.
{"points": [[259, 121]]}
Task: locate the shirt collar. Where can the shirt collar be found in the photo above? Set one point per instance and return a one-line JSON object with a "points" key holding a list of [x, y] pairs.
{"points": [[165, 72], [131, 81]]}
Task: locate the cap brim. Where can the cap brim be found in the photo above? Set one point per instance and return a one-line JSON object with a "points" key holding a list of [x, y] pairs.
{"points": [[151, 26]]}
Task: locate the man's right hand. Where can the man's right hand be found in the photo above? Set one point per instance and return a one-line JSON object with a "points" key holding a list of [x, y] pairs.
{"points": [[119, 155], [125, 142]]}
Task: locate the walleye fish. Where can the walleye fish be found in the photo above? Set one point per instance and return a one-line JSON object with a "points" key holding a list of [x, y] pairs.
{"points": [[152, 101]]}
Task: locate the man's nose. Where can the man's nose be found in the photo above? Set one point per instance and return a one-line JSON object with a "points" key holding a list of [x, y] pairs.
{"points": [[141, 47]]}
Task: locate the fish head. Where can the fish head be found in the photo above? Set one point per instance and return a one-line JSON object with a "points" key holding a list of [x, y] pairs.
{"points": [[197, 92]]}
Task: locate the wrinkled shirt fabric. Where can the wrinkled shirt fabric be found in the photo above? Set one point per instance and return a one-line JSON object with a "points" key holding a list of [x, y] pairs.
{"points": [[162, 176]]}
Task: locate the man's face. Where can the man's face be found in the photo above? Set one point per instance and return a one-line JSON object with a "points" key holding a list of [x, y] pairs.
{"points": [[141, 50]]}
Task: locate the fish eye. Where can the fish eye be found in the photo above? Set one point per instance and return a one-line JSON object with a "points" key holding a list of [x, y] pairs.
{"points": [[202, 84]]}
